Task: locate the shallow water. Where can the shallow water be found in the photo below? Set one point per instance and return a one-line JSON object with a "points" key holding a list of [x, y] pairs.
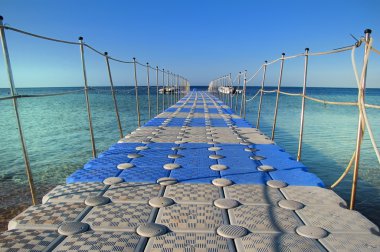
{"points": [[58, 139]]}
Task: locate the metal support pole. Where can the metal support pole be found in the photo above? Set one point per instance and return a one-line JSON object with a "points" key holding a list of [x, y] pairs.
{"points": [[157, 101], [261, 96], [178, 94], [163, 89], [277, 96], [237, 94], [230, 89], [148, 80], [360, 132], [171, 89], [173, 86], [224, 85], [15, 106], [168, 96], [244, 97], [303, 105], [87, 97], [137, 95], [113, 95]]}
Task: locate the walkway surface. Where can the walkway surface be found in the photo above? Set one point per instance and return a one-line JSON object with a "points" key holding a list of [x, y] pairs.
{"points": [[195, 178]]}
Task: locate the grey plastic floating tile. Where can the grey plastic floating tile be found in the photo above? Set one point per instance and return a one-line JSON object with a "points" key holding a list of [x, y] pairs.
{"points": [[336, 219], [26, 240], [47, 216], [352, 242], [312, 195], [253, 194], [99, 241], [263, 219], [187, 242], [133, 192], [190, 218], [192, 193], [118, 217], [277, 242], [75, 192]]}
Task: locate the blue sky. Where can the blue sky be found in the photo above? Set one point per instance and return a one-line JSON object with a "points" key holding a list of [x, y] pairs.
{"points": [[200, 40]]}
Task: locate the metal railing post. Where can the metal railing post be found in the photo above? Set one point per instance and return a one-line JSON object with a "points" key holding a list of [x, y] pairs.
{"points": [[243, 96], [113, 95], [178, 94], [137, 94], [168, 88], [171, 88], [303, 105], [15, 106], [237, 94], [157, 98], [244, 101], [277, 96], [148, 80], [231, 87], [261, 96], [360, 132], [163, 89], [87, 97]]}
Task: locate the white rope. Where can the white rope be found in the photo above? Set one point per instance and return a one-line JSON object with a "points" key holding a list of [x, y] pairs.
{"points": [[360, 102], [253, 76], [273, 61], [375, 50], [39, 36], [332, 51], [253, 97]]}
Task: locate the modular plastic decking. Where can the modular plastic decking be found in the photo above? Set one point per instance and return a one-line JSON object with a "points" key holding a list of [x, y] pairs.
{"points": [[195, 178]]}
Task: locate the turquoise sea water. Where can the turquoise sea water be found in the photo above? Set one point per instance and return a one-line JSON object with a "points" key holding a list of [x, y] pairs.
{"points": [[58, 139]]}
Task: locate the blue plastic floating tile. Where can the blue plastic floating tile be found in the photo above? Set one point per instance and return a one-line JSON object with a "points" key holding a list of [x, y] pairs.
{"points": [[259, 178], [156, 153], [243, 125], [199, 153], [185, 110], [266, 149], [116, 152], [155, 122], [199, 110], [238, 169], [194, 162], [234, 153], [194, 175], [176, 122], [227, 111], [150, 162], [239, 162], [196, 146], [144, 174], [284, 163], [107, 161], [213, 110], [161, 146], [92, 175], [198, 120], [125, 146], [297, 177], [171, 109]]}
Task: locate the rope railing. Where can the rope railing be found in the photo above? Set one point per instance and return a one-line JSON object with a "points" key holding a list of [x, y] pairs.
{"points": [[182, 86], [41, 95], [360, 103]]}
